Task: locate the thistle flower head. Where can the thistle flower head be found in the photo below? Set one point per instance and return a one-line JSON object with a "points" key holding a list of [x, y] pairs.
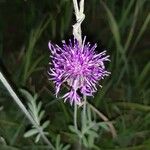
{"points": [[78, 66]]}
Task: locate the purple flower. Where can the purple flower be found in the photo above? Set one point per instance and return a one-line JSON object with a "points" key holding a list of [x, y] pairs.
{"points": [[80, 67]]}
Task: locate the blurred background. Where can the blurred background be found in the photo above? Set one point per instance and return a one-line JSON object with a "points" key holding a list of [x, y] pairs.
{"points": [[122, 27]]}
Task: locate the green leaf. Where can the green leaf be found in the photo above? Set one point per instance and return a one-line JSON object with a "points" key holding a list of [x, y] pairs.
{"points": [[31, 133], [92, 133], [26, 94], [35, 97], [87, 128], [37, 138], [34, 66], [39, 107], [85, 142], [126, 12], [66, 147], [104, 126], [2, 141], [113, 26], [72, 129], [41, 115], [34, 37], [131, 31], [77, 132], [144, 74], [45, 124], [57, 141], [142, 29], [7, 147], [135, 106], [91, 141]]}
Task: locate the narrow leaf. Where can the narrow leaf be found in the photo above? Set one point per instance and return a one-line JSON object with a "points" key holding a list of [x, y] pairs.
{"points": [[30, 133], [45, 124], [37, 138]]}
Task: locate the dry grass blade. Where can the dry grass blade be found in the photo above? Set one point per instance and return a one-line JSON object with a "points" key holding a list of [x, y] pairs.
{"points": [[103, 117]]}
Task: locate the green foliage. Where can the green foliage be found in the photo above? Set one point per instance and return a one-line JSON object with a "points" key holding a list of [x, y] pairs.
{"points": [[35, 109], [89, 131], [34, 36], [60, 146], [122, 27]]}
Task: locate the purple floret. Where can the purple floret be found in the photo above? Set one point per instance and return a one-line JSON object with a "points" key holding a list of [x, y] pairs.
{"points": [[78, 66]]}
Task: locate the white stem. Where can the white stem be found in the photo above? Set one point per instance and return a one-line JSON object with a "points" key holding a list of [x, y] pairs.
{"points": [[23, 108], [79, 13]]}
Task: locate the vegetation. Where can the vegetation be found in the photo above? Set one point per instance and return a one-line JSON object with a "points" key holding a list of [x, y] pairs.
{"points": [[118, 117]]}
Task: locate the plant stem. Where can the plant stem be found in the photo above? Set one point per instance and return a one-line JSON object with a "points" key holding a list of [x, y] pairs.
{"points": [[84, 119], [84, 106], [23, 108], [75, 117], [80, 144]]}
